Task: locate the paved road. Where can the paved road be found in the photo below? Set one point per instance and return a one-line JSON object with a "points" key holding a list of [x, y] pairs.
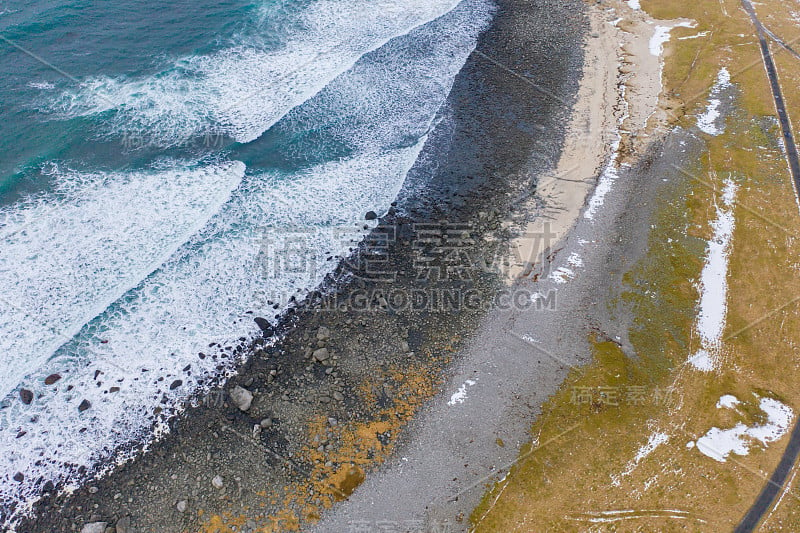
{"points": [[789, 458]]}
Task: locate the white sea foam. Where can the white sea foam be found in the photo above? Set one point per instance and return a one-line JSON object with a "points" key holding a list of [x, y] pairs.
{"points": [[242, 91], [68, 255], [150, 339], [714, 284], [270, 241], [41, 85]]}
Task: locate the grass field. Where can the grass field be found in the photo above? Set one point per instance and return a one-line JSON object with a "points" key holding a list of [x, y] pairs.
{"points": [[620, 462]]}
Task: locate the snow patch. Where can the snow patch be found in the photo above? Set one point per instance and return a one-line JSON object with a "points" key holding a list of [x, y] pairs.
{"points": [[575, 260], [714, 284], [728, 401], [720, 443], [662, 35], [654, 441], [562, 275], [461, 394], [707, 121]]}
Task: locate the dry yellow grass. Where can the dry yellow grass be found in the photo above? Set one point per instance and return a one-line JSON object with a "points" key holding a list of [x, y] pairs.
{"points": [[564, 480]]}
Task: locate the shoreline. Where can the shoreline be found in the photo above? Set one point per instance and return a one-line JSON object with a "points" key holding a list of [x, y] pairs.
{"points": [[558, 202], [595, 118], [378, 367]]}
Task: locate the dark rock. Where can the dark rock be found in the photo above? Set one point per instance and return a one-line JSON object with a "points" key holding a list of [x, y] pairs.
{"points": [[322, 354], [52, 378], [175, 384], [371, 215], [323, 333], [19, 477], [26, 396], [85, 404], [264, 325]]}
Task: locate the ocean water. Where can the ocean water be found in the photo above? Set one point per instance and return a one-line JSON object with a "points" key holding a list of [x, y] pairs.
{"points": [[171, 170]]}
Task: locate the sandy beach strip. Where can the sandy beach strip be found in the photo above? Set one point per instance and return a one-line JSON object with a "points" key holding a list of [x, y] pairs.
{"points": [[619, 107]]}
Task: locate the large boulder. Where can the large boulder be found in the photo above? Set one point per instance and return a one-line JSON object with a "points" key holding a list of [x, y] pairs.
{"points": [[94, 527], [241, 397]]}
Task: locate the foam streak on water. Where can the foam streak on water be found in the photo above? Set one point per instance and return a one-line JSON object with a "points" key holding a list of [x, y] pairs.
{"points": [[243, 90]]}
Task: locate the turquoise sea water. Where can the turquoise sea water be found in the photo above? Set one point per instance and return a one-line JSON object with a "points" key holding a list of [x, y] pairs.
{"points": [[158, 161]]}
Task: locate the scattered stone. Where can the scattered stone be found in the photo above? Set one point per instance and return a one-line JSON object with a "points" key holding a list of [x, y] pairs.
{"points": [[241, 397], [267, 422], [338, 396], [182, 506], [52, 378], [324, 399], [19, 477], [175, 384], [218, 482], [124, 525], [93, 490], [323, 333], [404, 347], [371, 215], [322, 354], [26, 396], [85, 404], [94, 527]]}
